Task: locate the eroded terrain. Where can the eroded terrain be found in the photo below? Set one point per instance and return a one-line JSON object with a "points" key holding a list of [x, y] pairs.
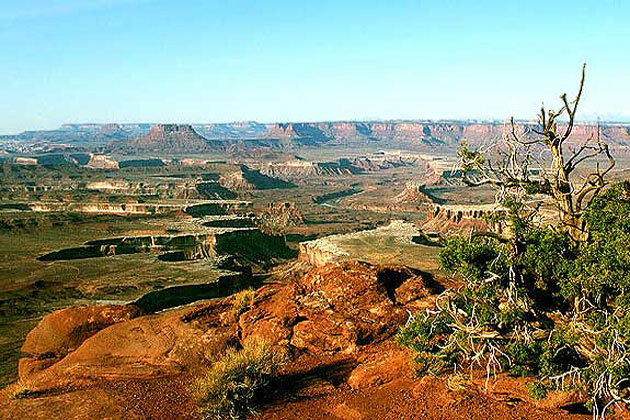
{"points": [[146, 253]]}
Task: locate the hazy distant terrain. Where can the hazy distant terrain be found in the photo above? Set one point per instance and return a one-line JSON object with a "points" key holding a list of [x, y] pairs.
{"points": [[246, 136]]}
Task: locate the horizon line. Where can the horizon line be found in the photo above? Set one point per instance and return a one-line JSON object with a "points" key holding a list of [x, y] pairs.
{"points": [[623, 122]]}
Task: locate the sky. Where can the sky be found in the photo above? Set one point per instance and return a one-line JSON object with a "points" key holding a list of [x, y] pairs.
{"points": [[196, 61]]}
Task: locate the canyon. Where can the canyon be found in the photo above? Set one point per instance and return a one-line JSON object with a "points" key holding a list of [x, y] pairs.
{"points": [[244, 136], [137, 245]]}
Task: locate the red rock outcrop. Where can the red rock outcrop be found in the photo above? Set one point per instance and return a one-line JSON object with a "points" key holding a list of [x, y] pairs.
{"points": [[64, 331], [336, 308], [414, 193], [336, 320], [391, 366], [281, 215], [170, 138]]}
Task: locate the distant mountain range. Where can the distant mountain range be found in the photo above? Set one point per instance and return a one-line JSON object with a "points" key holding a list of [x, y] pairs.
{"points": [[240, 136]]}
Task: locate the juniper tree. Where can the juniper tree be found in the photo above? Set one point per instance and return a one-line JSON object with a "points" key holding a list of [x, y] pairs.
{"points": [[540, 159]]}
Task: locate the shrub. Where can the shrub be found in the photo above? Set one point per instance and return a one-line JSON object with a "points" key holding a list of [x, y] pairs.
{"points": [[21, 390], [472, 259], [235, 384], [604, 273], [243, 300], [537, 390], [538, 304]]}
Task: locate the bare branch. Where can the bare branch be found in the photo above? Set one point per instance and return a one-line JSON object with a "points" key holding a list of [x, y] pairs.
{"points": [[570, 111]]}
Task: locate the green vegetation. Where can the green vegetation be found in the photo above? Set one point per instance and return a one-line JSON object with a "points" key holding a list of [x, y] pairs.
{"points": [[538, 304], [547, 299], [243, 300], [235, 384], [537, 390], [22, 389]]}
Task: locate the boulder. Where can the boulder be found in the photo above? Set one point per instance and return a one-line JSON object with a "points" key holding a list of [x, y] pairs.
{"points": [[335, 308], [63, 331]]}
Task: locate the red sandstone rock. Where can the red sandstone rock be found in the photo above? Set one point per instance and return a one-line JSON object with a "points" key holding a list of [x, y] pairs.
{"points": [[63, 331], [131, 367], [336, 308], [386, 368], [171, 138]]}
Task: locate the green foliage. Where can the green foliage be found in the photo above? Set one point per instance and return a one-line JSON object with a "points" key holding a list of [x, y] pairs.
{"points": [[605, 258], [236, 383], [537, 390], [424, 335], [473, 259], [547, 258], [538, 304], [471, 159]]}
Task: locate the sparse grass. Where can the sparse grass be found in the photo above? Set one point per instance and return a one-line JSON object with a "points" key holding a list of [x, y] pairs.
{"points": [[234, 386], [21, 390], [243, 300], [30, 289], [457, 382]]}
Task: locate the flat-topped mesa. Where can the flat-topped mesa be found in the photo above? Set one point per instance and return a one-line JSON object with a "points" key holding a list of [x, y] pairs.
{"points": [[297, 168], [392, 243], [198, 208], [298, 133], [170, 138], [434, 133], [289, 135], [451, 219]]}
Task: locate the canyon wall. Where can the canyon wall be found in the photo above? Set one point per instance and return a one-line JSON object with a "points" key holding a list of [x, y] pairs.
{"points": [[210, 207], [429, 133], [235, 137], [454, 219]]}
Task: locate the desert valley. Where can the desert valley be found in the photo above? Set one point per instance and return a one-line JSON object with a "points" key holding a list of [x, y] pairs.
{"points": [[325, 210], [134, 255]]}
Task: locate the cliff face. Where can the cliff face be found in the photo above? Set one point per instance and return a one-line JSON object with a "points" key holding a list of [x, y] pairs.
{"points": [[426, 133], [201, 208], [249, 179], [295, 169], [455, 219], [169, 138], [299, 133], [243, 136]]}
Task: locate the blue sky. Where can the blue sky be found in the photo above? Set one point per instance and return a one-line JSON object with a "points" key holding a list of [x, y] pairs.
{"points": [[225, 60]]}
